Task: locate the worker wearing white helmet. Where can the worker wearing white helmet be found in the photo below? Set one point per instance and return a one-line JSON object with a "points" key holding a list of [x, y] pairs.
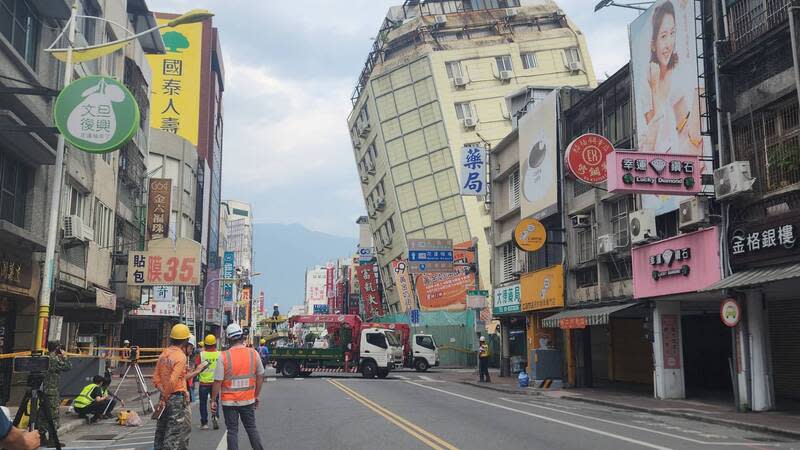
{"points": [[483, 360]]}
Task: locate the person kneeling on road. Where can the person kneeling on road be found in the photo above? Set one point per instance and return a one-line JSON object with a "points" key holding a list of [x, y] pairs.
{"points": [[94, 399]]}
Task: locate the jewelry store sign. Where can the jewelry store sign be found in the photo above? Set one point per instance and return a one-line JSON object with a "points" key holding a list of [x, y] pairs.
{"points": [[653, 173]]}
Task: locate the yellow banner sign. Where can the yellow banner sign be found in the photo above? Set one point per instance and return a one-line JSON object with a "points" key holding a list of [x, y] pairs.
{"points": [[175, 100], [543, 289]]}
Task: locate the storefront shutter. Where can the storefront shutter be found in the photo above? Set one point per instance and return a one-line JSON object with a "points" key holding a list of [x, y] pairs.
{"points": [[784, 315]]}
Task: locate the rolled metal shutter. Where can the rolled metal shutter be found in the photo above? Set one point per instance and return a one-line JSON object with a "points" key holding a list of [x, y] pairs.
{"points": [[784, 315]]}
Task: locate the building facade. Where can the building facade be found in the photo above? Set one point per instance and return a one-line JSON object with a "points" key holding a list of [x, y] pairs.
{"points": [[436, 80]]}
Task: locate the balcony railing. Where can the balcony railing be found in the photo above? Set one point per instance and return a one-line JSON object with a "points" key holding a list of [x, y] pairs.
{"points": [[748, 20]]}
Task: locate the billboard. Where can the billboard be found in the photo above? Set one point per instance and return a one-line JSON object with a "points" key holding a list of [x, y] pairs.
{"points": [[315, 288], [166, 263], [403, 282], [448, 291], [158, 207], [666, 87], [543, 289], [538, 149], [473, 171], [370, 294], [175, 87]]}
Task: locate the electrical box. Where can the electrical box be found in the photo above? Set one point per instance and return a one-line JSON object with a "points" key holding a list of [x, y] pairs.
{"points": [[545, 363]]}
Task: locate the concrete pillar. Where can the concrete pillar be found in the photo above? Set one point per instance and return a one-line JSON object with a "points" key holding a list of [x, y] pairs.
{"points": [[741, 352], [505, 360], [763, 395], [669, 379]]}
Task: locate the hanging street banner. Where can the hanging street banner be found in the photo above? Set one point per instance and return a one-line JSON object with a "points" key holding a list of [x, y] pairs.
{"points": [[370, 295], [175, 87], [585, 158], [166, 263], [159, 197], [96, 114], [430, 255], [227, 273], [403, 282], [473, 171]]}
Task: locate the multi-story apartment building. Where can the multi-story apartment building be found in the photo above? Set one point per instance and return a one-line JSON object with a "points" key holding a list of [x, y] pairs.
{"points": [[436, 79], [240, 233]]}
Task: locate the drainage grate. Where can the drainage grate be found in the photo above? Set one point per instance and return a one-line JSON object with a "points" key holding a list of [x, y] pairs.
{"points": [[97, 437]]}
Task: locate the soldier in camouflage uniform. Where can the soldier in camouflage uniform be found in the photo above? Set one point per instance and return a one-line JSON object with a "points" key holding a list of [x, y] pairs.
{"points": [[58, 364]]}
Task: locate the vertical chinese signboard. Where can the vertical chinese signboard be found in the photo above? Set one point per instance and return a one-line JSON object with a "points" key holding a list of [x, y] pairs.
{"points": [[370, 295], [227, 273], [175, 102], [671, 341], [338, 306], [330, 286], [403, 282], [473, 171], [158, 207]]}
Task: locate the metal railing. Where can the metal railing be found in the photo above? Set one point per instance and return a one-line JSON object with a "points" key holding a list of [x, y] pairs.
{"points": [[750, 19]]}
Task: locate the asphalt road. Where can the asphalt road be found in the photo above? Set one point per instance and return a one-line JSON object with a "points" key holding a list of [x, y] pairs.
{"points": [[409, 411]]}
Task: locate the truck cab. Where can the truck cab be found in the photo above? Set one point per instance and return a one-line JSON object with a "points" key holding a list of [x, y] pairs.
{"points": [[380, 352], [425, 353]]}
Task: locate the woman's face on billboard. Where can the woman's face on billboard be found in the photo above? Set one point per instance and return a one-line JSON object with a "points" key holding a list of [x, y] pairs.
{"points": [[665, 40]]}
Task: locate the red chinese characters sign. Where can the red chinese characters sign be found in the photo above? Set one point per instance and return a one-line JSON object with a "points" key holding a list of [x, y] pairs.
{"points": [[166, 264], [370, 295], [570, 323], [586, 158], [158, 207], [330, 287], [338, 306], [671, 341]]}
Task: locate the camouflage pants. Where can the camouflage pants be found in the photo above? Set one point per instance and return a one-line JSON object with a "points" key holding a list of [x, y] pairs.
{"points": [[41, 418], [174, 426]]}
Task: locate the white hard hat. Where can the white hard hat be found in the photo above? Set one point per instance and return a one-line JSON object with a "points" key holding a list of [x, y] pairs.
{"points": [[126, 341], [192, 340], [234, 331], [483, 339], [275, 305]]}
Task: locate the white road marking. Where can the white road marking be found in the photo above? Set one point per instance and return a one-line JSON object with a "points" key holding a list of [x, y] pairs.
{"points": [[426, 378], [663, 433], [400, 377], [271, 379], [299, 378], [223, 444], [549, 419]]}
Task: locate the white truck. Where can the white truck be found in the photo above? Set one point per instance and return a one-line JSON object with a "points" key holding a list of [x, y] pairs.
{"points": [[419, 350]]}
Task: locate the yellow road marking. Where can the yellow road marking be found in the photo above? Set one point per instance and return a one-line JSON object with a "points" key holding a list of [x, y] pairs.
{"points": [[423, 435]]}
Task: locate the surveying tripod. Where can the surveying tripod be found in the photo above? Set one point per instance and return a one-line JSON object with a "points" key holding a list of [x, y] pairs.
{"points": [[38, 400], [141, 385]]}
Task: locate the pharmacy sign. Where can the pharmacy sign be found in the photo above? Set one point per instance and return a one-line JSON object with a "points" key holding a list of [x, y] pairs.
{"points": [[96, 114]]}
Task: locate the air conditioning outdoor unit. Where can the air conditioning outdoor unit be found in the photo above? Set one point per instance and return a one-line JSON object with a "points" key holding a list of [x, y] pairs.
{"points": [[580, 221], [506, 74], [642, 225], [459, 81], [381, 205], [364, 179], [575, 66], [733, 179], [606, 244], [520, 263], [511, 12], [441, 19], [692, 213], [469, 122], [73, 228]]}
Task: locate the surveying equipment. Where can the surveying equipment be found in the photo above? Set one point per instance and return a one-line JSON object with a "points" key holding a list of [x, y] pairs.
{"points": [[35, 367], [133, 363]]}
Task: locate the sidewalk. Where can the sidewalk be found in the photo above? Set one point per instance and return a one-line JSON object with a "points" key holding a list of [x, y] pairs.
{"points": [[777, 422]]}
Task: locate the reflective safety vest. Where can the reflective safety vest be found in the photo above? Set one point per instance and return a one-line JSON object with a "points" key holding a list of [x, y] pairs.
{"points": [[84, 399], [239, 383], [207, 375]]}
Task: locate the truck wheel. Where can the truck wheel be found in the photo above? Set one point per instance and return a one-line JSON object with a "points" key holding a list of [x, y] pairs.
{"points": [[290, 369], [383, 373], [369, 369], [421, 365]]}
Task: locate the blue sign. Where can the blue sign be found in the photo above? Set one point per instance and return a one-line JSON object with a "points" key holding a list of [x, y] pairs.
{"points": [[227, 272], [415, 316], [320, 309], [431, 255]]}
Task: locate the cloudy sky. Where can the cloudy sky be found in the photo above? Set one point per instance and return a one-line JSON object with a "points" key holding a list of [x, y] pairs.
{"points": [[290, 69]]}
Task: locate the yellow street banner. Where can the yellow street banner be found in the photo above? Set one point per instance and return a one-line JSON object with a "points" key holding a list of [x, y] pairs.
{"points": [[175, 102]]}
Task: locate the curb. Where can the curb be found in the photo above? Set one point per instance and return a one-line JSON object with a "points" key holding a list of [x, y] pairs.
{"points": [[698, 417], [500, 389], [70, 426]]}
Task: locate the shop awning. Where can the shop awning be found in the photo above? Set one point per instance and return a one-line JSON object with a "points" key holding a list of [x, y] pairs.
{"points": [[754, 277], [594, 316]]}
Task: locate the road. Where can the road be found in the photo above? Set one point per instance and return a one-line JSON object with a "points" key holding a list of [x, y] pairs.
{"points": [[413, 411]]}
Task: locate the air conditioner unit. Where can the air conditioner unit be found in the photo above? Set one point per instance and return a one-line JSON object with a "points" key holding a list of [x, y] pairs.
{"points": [[506, 74], [460, 81], [642, 225], [511, 12], [381, 205], [606, 244], [469, 122], [575, 66], [73, 228], [364, 179], [580, 221], [692, 213], [733, 179], [520, 265], [441, 19]]}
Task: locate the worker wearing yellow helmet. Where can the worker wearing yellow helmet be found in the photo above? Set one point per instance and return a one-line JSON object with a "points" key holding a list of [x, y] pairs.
{"points": [[207, 359], [263, 352], [174, 418]]}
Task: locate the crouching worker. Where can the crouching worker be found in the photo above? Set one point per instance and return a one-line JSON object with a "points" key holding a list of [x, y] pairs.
{"points": [[94, 399]]}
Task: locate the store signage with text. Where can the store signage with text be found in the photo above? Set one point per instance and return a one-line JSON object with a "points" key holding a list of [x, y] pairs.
{"points": [[370, 294], [158, 207], [572, 323], [772, 239], [506, 299], [473, 171], [684, 263], [448, 291], [166, 263], [15, 271], [586, 158], [671, 343], [530, 235], [653, 173], [542, 289]]}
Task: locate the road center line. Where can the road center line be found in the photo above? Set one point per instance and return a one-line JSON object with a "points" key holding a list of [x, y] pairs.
{"points": [[648, 430], [421, 434], [549, 419]]}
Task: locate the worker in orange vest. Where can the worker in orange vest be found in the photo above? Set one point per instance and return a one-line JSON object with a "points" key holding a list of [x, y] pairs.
{"points": [[238, 378]]}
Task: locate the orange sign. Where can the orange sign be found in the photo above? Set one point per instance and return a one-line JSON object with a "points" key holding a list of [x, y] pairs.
{"points": [[572, 323], [448, 291], [530, 235], [542, 289]]}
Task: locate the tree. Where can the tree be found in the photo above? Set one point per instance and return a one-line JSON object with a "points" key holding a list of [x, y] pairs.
{"points": [[175, 41]]}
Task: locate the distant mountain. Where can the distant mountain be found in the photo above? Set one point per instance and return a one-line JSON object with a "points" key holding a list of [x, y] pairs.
{"points": [[282, 254]]}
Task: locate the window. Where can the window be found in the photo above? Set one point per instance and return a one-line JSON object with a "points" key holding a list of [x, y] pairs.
{"points": [[110, 61], [619, 270], [584, 241], [572, 54], [586, 277], [453, 69], [13, 190], [372, 151], [509, 261], [618, 216], [188, 179], [77, 202], [89, 28], [20, 26], [393, 339], [503, 63], [426, 341], [390, 225], [464, 110], [103, 224], [529, 60], [513, 189]]}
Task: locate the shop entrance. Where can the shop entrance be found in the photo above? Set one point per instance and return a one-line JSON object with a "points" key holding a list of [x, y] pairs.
{"points": [[707, 348], [7, 326]]}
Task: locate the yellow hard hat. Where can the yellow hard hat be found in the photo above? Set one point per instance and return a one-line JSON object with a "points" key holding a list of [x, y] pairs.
{"points": [[211, 340], [179, 331], [263, 341]]}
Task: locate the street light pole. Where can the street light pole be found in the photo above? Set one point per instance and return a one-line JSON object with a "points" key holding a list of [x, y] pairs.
{"points": [[55, 206]]}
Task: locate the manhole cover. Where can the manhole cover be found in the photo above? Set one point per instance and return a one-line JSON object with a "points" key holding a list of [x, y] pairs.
{"points": [[764, 439], [98, 437]]}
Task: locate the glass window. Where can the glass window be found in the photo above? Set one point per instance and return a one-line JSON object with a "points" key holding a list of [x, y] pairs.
{"points": [[453, 69], [509, 261], [172, 170], [13, 190], [584, 241], [573, 54], [503, 62], [377, 339], [618, 216], [529, 60], [188, 179], [20, 26], [89, 26], [426, 341], [463, 110], [77, 200], [513, 189], [103, 224]]}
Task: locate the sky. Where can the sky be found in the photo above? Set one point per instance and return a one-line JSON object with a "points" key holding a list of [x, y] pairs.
{"points": [[290, 70]]}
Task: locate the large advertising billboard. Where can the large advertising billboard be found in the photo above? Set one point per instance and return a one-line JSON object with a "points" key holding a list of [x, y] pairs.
{"points": [[538, 159], [666, 87], [448, 291]]}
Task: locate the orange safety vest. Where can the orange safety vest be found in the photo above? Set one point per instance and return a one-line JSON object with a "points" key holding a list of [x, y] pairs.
{"points": [[239, 383]]}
